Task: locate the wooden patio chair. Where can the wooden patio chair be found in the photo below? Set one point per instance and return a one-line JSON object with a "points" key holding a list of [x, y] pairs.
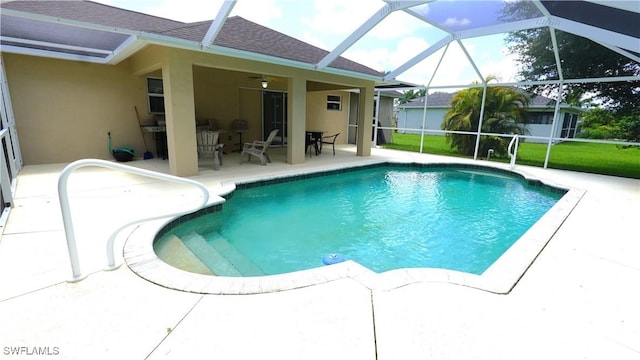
{"points": [[207, 145], [258, 149]]}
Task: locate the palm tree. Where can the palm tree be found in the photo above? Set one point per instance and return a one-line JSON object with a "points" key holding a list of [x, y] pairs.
{"points": [[411, 95], [505, 112]]}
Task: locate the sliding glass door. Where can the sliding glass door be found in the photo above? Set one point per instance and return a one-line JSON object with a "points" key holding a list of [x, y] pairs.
{"points": [[274, 115]]}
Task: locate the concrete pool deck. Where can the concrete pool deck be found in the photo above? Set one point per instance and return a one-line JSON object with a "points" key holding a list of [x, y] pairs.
{"points": [[577, 300]]}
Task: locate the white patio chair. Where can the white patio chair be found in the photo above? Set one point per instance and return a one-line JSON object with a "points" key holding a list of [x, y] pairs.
{"points": [[258, 149], [207, 144]]}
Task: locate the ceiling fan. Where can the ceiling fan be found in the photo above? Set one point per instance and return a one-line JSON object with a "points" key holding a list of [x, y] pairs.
{"points": [[264, 81]]}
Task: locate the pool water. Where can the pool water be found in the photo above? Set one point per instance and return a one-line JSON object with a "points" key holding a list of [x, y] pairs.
{"points": [[384, 218]]}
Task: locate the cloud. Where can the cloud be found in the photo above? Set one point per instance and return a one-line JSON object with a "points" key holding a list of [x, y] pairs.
{"points": [[453, 69], [397, 25], [331, 21], [262, 12], [390, 57], [455, 22], [341, 17], [504, 68]]}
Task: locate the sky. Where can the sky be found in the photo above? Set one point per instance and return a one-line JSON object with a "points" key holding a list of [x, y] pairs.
{"points": [[395, 40]]}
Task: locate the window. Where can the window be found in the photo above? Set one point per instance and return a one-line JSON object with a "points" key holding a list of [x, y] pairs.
{"points": [[569, 125], [334, 102], [155, 95], [541, 118]]}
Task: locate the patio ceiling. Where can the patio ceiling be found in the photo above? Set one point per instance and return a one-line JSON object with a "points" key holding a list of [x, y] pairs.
{"points": [[29, 29]]}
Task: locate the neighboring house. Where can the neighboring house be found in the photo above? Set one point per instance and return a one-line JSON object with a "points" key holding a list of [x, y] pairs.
{"points": [[541, 109], [78, 70]]}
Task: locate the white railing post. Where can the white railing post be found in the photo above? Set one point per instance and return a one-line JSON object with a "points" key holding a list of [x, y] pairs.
{"points": [[68, 221], [513, 145]]}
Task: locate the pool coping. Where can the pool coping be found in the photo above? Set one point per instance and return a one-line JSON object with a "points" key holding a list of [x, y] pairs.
{"points": [[499, 278]]}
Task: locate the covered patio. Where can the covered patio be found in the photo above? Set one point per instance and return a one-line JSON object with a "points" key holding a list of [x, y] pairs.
{"points": [[192, 82]]}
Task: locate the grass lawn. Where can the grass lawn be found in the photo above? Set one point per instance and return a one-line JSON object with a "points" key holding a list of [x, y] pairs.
{"points": [[604, 159]]}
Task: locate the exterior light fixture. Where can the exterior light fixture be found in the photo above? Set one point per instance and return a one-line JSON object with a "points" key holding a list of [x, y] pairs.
{"points": [[264, 83]]}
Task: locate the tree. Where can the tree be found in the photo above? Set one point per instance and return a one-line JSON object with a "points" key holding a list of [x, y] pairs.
{"points": [[412, 94], [580, 57], [600, 123], [505, 112], [630, 128]]}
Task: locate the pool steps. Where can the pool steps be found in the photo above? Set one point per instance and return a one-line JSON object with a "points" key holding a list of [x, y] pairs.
{"points": [[240, 261], [219, 256], [174, 252], [209, 256]]}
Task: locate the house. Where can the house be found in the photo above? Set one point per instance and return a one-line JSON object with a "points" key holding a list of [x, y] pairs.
{"points": [[541, 109], [78, 71]]}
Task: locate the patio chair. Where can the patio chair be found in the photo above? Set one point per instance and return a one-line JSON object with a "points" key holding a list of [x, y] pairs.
{"points": [[311, 143], [258, 149], [331, 140], [214, 125], [207, 145]]}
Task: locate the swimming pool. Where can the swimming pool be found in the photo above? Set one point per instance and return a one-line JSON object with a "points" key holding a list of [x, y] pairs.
{"points": [[383, 217]]}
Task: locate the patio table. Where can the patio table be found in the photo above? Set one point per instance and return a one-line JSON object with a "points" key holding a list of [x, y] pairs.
{"points": [[315, 137]]}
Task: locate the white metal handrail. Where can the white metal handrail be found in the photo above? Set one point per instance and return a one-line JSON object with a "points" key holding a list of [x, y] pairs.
{"points": [[66, 212], [513, 145], [5, 183]]}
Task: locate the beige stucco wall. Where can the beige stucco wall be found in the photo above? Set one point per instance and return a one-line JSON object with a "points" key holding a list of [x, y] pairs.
{"points": [[64, 109], [329, 121], [226, 95]]}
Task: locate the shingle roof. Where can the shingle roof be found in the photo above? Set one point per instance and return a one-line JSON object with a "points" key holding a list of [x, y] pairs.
{"points": [[237, 33], [437, 99], [95, 13], [241, 34], [442, 99]]}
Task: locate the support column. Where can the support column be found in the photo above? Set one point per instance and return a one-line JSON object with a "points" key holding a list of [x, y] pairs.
{"points": [[296, 119], [365, 121], [177, 76]]}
